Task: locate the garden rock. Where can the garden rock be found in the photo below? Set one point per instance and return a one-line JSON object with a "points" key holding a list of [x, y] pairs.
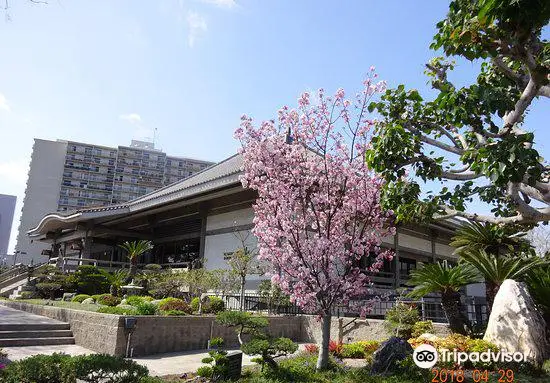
{"points": [[429, 337], [515, 325], [68, 296], [384, 360], [155, 302], [123, 302], [88, 301]]}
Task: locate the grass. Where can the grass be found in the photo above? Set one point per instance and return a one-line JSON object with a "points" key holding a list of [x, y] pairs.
{"points": [[62, 304]]}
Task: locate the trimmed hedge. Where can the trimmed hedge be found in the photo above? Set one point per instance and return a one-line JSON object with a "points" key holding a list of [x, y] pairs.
{"points": [[214, 305], [170, 304]]}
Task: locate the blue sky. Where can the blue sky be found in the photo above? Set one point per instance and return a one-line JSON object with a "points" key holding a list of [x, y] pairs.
{"points": [[105, 72]]}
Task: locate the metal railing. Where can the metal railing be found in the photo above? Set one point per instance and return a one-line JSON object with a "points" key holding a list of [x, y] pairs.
{"points": [[69, 264], [429, 308]]}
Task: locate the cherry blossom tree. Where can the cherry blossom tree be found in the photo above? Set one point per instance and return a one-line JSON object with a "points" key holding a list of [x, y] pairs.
{"points": [[318, 209]]}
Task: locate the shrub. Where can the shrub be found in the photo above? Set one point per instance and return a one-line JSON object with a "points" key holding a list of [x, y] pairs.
{"points": [[108, 300], [217, 363], [422, 327], [38, 369], [80, 297], [146, 308], [213, 305], [27, 295], [134, 300], [116, 310], [147, 298], [169, 304], [335, 348], [359, 350], [311, 348], [48, 289], [90, 280], [400, 319], [102, 367]]}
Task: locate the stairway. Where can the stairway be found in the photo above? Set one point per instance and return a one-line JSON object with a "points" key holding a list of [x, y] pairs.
{"points": [[35, 334]]}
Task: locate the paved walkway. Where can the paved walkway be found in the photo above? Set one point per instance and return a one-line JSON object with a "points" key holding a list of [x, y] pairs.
{"points": [[12, 316]]}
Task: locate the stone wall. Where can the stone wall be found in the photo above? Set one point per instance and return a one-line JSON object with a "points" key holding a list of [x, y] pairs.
{"points": [[353, 329], [154, 334], [98, 332]]}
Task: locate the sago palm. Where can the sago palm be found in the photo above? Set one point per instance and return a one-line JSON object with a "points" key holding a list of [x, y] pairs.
{"points": [[494, 239], [496, 269], [447, 280], [538, 281], [134, 250]]}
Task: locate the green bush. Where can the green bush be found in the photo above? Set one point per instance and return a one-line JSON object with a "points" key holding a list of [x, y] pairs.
{"points": [[135, 300], [80, 297], [422, 327], [90, 280], [49, 290], [38, 369], [108, 300], [27, 295], [96, 368], [359, 350], [170, 304], [116, 310], [400, 319], [146, 308], [213, 305]]}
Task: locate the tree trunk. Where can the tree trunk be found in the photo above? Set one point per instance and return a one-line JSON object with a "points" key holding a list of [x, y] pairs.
{"points": [[452, 307], [491, 290], [133, 269], [243, 282], [322, 360]]}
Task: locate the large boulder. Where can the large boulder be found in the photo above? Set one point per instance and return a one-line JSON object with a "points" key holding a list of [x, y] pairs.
{"points": [[384, 360], [88, 301], [515, 325]]}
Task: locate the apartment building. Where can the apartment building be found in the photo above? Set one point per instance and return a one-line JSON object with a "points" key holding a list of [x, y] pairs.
{"points": [[68, 175], [7, 207]]}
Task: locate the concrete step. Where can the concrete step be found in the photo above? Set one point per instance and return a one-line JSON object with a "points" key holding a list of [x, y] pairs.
{"points": [[36, 334], [34, 326], [19, 342]]}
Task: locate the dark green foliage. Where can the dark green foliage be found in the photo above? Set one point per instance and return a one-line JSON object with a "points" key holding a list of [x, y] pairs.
{"points": [[116, 310], [269, 348], [38, 369], [98, 368], [262, 344], [62, 368], [146, 308], [80, 297], [49, 290], [169, 304], [90, 280], [216, 369], [472, 135], [400, 319], [212, 306], [538, 281], [108, 300]]}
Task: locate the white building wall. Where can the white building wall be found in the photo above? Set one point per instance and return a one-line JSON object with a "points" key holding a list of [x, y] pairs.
{"points": [[216, 245], [41, 195]]}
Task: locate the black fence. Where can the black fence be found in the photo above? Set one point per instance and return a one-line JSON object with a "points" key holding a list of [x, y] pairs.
{"points": [[475, 308]]}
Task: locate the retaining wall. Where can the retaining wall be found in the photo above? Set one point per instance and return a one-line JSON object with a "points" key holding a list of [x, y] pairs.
{"points": [[155, 334]]}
